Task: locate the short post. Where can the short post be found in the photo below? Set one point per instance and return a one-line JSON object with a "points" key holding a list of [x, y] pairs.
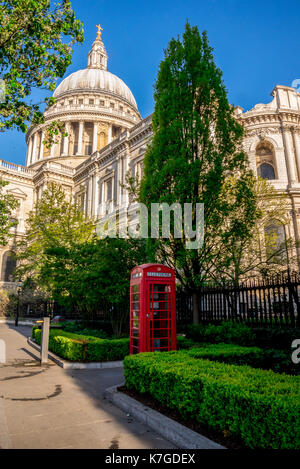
{"points": [[45, 340], [19, 289]]}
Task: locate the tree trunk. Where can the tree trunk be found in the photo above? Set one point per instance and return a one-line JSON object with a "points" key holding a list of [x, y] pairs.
{"points": [[195, 308]]}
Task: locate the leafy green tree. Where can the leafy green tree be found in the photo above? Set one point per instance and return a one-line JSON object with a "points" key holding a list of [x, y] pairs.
{"points": [[55, 222], [267, 250], [196, 147], [94, 277], [7, 205], [36, 39], [62, 257]]}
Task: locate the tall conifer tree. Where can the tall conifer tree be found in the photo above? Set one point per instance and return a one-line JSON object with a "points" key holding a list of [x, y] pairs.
{"points": [[196, 146]]}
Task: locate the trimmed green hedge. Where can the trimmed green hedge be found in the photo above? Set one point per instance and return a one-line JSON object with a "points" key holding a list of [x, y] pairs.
{"points": [[79, 328], [256, 357], [229, 353], [184, 343], [261, 408], [229, 332], [275, 344], [76, 347], [241, 334]]}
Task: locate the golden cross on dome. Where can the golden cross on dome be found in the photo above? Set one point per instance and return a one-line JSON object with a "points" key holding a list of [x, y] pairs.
{"points": [[99, 31]]}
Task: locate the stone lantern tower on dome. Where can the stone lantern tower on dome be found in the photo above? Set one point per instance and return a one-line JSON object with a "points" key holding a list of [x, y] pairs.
{"points": [[95, 107]]}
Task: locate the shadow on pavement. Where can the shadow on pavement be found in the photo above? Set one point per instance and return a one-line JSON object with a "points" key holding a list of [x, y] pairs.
{"points": [[93, 383]]}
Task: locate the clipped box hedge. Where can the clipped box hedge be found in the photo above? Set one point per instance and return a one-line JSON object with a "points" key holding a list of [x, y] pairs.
{"points": [[270, 359], [230, 353], [228, 331], [242, 334], [76, 347], [184, 343], [258, 407]]}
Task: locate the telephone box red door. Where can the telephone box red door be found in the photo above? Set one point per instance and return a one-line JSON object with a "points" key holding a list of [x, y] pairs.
{"points": [[152, 309]]}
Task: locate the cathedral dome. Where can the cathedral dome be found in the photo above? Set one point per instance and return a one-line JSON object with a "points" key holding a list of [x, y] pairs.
{"points": [[95, 80], [94, 108]]}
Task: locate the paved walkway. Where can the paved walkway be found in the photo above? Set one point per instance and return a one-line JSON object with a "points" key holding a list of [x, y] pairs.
{"points": [[49, 407]]}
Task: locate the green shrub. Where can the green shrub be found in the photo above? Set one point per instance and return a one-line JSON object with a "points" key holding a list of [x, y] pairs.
{"points": [[229, 332], [275, 338], [70, 326], [104, 327], [272, 359], [65, 347], [241, 334], [184, 343], [230, 353], [77, 347], [108, 349], [74, 327], [8, 304], [261, 408]]}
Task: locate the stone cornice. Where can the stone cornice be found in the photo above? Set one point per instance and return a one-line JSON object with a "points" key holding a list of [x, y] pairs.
{"points": [[262, 131], [12, 176], [84, 115], [44, 175], [267, 117], [96, 92], [19, 172]]}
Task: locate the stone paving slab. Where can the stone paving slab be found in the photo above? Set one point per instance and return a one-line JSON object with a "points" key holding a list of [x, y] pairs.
{"points": [[49, 407]]}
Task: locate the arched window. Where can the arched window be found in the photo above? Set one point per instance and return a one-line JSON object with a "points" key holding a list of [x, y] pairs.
{"points": [[265, 160], [266, 171], [9, 265]]}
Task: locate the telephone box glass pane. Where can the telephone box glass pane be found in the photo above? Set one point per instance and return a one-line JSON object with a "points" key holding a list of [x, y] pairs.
{"points": [[135, 318], [160, 317]]}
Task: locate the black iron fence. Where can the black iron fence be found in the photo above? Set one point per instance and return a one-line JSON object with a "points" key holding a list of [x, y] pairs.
{"points": [[270, 302], [274, 301]]}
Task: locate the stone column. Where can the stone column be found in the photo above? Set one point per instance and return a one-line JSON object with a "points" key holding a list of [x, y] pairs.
{"points": [[52, 150], [119, 180], [41, 146], [113, 184], [126, 167], [80, 135], [33, 156], [290, 163], [89, 193], [297, 149], [66, 140], [29, 150], [109, 134], [102, 187], [95, 136], [96, 198], [93, 194]]}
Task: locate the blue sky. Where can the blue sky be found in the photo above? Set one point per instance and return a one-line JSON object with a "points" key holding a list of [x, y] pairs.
{"points": [[256, 45]]}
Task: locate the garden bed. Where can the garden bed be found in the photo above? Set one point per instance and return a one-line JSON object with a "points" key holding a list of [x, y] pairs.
{"points": [[149, 401]]}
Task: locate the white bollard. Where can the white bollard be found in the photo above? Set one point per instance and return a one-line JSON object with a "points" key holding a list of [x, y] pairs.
{"points": [[45, 340]]}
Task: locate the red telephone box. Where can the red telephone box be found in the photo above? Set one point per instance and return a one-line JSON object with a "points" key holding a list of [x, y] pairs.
{"points": [[152, 309]]}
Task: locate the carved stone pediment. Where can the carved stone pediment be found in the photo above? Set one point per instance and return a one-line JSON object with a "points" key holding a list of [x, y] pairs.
{"points": [[16, 192]]}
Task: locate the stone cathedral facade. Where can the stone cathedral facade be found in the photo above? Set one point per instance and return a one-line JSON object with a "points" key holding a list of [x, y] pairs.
{"points": [[107, 138]]}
